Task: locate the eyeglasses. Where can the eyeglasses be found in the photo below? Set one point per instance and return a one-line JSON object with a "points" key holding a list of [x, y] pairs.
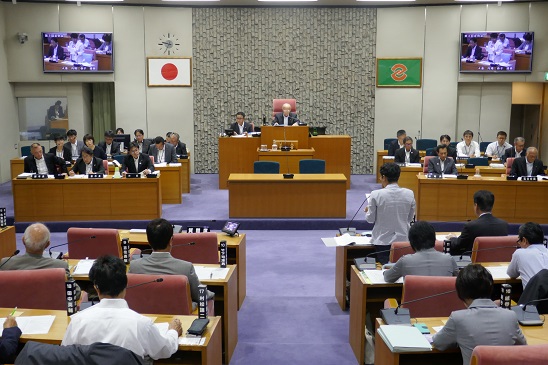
{"points": [[519, 239]]}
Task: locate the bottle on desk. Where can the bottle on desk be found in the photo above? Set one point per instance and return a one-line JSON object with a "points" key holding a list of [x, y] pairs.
{"points": [[274, 146]]}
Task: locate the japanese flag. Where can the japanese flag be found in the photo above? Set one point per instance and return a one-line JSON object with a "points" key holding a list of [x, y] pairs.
{"points": [[169, 72]]}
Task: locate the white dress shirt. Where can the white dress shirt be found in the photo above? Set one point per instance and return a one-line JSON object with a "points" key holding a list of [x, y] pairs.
{"points": [[109, 147], [161, 154], [111, 321], [41, 165], [472, 149], [496, 150], [89, 167], [286, 120], [526, 262], [74, 150], [136, 161]]}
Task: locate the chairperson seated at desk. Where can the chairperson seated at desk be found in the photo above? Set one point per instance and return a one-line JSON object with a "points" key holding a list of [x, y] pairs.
{"points": [[529, 165], [61, 150], [441, 164], [426, 260], [285, 118], [483, 323], [40, 163], [87, 164], [407, 154], [136, 162]]}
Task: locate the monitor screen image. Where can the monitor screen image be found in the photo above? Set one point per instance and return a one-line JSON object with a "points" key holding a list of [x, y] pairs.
{"points": [[496, 52], [77, 52]]}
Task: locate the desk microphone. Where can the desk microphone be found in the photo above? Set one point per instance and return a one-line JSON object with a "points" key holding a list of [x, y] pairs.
{"points": [[288, 174], [487, 249], [461, 176], [69, 243], [401, 315], [352, 231], [479, 137], [528, 317], [368, 263], [9, 258], [159, 280], [180, 244]]}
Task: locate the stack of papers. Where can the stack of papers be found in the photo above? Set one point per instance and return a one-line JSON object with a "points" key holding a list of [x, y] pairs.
{"points": [[497, 165], [34, 325], [83, 267], [404, 338], [498, 272], [377, 276], [211, 273]]}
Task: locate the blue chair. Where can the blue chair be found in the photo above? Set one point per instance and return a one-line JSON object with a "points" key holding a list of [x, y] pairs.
{"points": [[312, 167], [387, 142], [483, 146], [478, 161], [430, 152], [453, 144], [119, 158], [25, 150], [266, 167], [423, 144]]}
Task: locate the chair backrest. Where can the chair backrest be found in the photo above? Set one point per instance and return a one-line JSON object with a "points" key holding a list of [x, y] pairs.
{"points": [[119, 158], [453, 144], [399, 249], [478, 161], [312, 166], [205, 249], [278, 103], [423, 144], [105, 165], [416, 286], [56, 131], [266, 167], [536, 288], [509, 163], [106, 242], [35, 289], [425, 166], [387, 142], [430, 151], [171, 296], [495, 249], [483, 146], [25, 150], [509, 355], [151, 159]]}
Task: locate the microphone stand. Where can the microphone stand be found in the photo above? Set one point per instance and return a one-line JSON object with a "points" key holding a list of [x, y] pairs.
{"points": [[9, 258], [401, 315], [286, 148], [351, 231]]}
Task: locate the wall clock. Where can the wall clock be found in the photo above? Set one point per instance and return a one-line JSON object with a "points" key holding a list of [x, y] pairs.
{"points": [[169, 43]]}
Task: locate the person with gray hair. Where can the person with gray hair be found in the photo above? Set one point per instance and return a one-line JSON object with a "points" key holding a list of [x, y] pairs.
{"points": [[529, 165], [36, 239], [516, 151]]}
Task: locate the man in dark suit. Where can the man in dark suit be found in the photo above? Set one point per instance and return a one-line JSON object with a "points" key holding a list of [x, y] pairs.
{"points": [[240, 126], [88, 164], [74, 144], [180, 147], [56, 111], [442, 164], [137, 162], [286, 117], [55, 50], [9, 341], [445, 139], [407, 154], [142, 142], [162, 152], [529, 165], [111, 147], [397, 144], [40, 163], [474, 50], [516, 151], [485, 225]]}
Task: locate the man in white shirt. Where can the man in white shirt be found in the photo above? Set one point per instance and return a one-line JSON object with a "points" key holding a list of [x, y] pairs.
{"points": [[497, 149], [532, 257], [494, 49], [111, 321], [468, 147], [75, 47], [391, 209]]}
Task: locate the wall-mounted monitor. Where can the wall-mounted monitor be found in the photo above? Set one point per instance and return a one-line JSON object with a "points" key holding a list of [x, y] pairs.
{"points": [[83, 52], [496, 52]]}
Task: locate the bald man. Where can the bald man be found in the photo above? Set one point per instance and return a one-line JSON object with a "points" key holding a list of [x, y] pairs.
{"points": [[529, 165], [286, 117]]}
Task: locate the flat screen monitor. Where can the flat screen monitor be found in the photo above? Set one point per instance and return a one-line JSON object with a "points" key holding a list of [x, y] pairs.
{"points": [[496, 52], [77, 52], [123, 138]]}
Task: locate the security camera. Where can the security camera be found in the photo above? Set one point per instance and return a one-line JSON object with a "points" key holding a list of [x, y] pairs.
{"points": [[23, 37]]}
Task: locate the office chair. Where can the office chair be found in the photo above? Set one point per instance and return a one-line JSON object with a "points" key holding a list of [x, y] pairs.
{"points": [[312, 166], [397, 250], [388, 141], [205, 249], [423, 144], [278, 103], [483, 146], [266, 167], [509, 355], [496, 254], [426, 161], [509, 163], [81, 245], [105, 165]]}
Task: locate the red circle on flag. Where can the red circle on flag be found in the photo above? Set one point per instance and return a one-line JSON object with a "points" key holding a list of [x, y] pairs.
{"points": [[169, 71]]}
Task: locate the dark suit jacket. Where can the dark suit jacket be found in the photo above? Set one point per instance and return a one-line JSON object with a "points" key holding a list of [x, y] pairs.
{"points": [[279, 118], [394, 146], [144, 163], [519, 167], [477, 54], [146, 145], [169, 157], [537, 288], [79, 146], [51, 112], [80, 166], [486, 225], [434, 165], [180, 149], [55, 164], [247, 127], [99, 153], [511, 152], [8, 344], [67, 154], [451, 152], [60, 52], [414, 156], [114, 149]]}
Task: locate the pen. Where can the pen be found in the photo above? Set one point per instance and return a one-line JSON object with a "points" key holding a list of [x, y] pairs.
{"points": [[211, 275], [13, 311]]}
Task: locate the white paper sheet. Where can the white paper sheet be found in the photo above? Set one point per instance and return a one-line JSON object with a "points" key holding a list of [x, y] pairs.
{"points": [[183, 340], [498, 272], [347, 239], [135, 230], [83, 267], [377, 277], [210, 273], [33, 325]]}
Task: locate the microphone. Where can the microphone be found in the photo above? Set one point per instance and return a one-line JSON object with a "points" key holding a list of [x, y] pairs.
{"points": [[460, 175], [368, 263], [401, 315], [351, 231], [69, 243], [487, 249], [528, 317], [159, 280], [287, 175], [180, 244], [479, 137], [9, 258]]}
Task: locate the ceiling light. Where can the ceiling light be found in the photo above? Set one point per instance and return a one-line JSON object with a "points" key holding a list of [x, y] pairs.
{"points": [[95, 1], [484, 1], [281, 1], [194, 1], [379, 1]]}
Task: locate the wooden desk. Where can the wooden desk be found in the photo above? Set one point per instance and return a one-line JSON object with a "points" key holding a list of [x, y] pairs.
{"points": [[365, 297], [236, 252], [270, 195], [17, 166], [185, 174], [523, 61], [336, 150], [7, 241], [207, 354], [104, 61], [344, 258], [287, 159], [280, 133], [86, 199], [61, 123], [383, 355], [515, 201]]}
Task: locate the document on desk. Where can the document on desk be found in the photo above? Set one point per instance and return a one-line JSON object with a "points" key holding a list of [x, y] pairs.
{"points": [[347, 239], [83, 267], [33, 325], [498, 272], [136, 230], [377, 276], [211, 273], [404, 338]]}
